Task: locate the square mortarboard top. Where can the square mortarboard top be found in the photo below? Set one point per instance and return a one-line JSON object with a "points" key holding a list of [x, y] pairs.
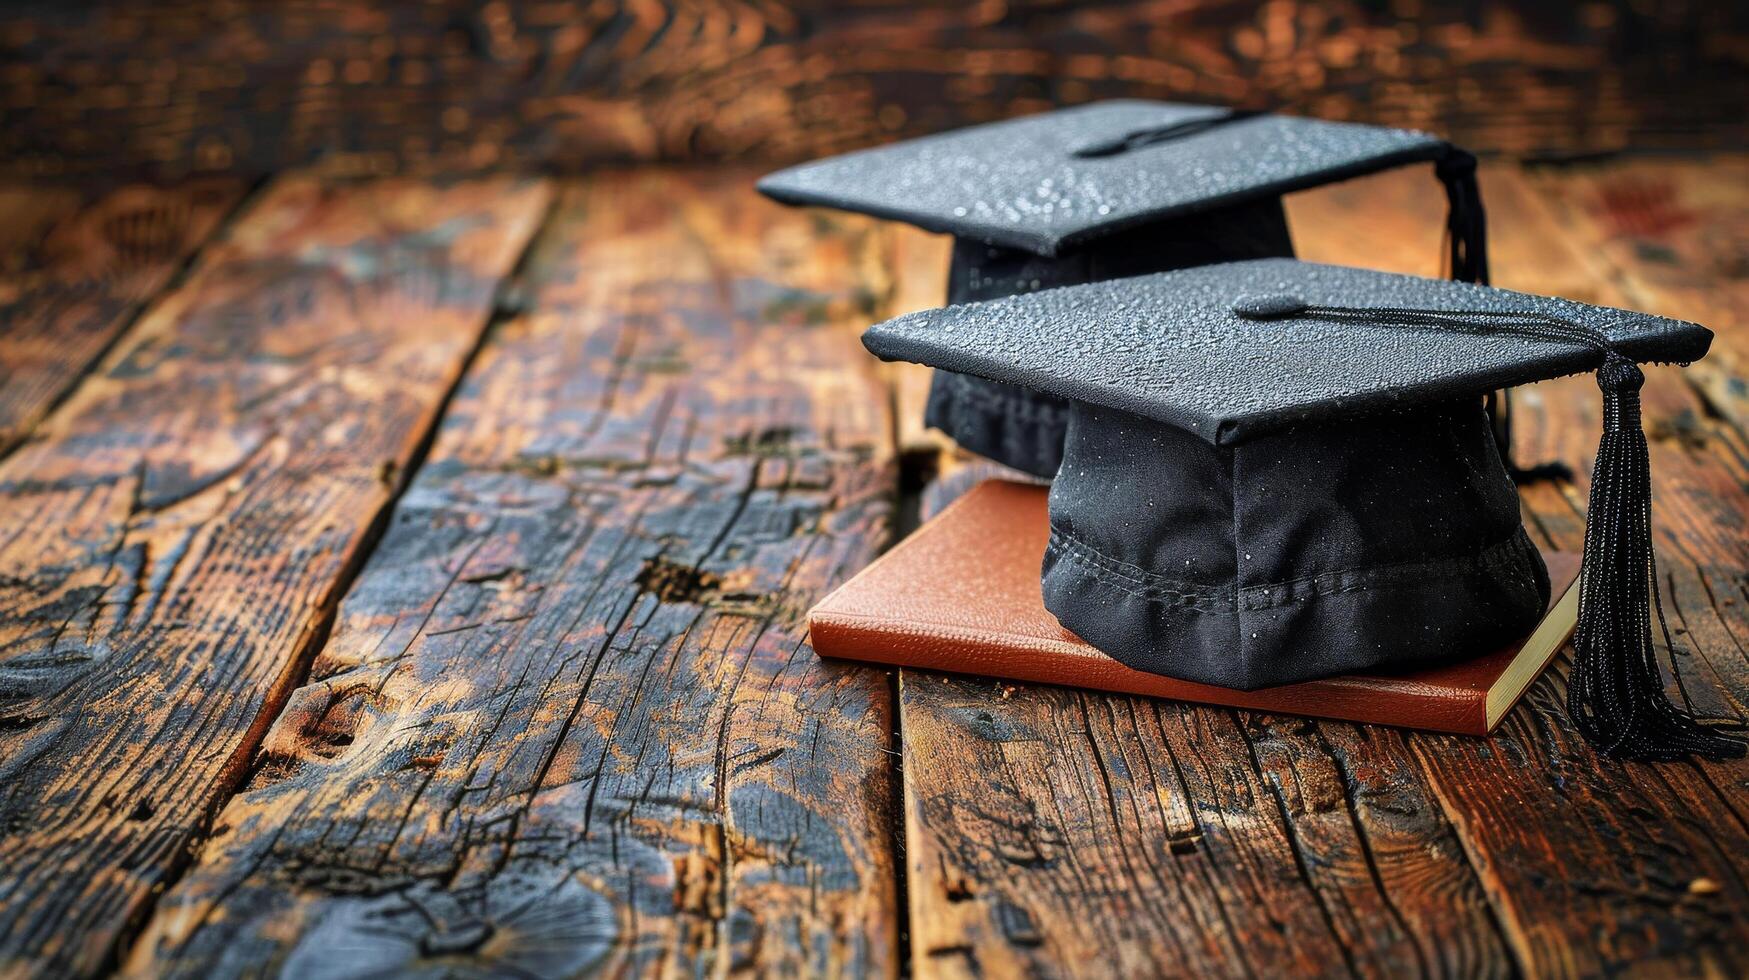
{"points": [[1050, 182], [1223, 352], [1104, 191], [1276, 471]]}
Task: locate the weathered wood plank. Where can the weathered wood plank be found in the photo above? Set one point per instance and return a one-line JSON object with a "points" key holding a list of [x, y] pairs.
{"points": [[175, 539], [568, 721], [1455, 856], [1637, 903], [1674, 234], [75, 269], [1588, 863], [1592, 866], [1053, 831], [180, 85]]}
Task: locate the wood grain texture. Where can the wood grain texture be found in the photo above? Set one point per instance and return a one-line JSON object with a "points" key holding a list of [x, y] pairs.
{"points": [[369, 85], [1052, 831], [1414, 853], [176, 535], [75, 269], [568, 722], [1673, 235], [1592, 865]]}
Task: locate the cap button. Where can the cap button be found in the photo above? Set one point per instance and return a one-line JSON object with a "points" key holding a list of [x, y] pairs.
{"points": [[1269, 306]]}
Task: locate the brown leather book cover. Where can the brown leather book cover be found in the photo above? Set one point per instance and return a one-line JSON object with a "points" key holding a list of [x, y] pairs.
{"points": [[961, 595]]}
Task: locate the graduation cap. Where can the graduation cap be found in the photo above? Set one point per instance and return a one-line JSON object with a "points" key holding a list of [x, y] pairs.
{"points": [[1103, 191], [1277, 470]]}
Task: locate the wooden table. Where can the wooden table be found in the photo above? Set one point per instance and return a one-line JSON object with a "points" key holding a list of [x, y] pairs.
{"points": [[410, 576]]}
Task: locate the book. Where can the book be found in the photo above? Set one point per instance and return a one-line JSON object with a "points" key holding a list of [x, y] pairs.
{"points": [[961, 595]]}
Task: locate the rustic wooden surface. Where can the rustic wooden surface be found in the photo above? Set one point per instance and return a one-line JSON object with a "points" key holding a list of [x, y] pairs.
{"points": [[74, 270], [177, 532], [566, 720], [188, 86]]}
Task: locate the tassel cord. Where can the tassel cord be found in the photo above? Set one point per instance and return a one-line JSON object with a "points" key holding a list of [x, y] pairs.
{"points": [[1135, 139]]}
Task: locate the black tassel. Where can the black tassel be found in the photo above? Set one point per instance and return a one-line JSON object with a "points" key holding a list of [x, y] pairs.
{"points": [[1616, 693], [1466, 221], [1466, 234], [1466, 225]]}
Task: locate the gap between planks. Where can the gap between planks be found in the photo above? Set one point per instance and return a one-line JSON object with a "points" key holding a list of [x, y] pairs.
{"points": [[181, 514], [573, 668]]}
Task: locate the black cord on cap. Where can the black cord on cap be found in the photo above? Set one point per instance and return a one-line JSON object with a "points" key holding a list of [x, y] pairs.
{"points": [[1149, 135]]}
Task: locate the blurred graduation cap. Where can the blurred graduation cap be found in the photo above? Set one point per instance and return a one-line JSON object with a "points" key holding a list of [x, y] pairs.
{"points": [[1276, 471], [1103, 191]]}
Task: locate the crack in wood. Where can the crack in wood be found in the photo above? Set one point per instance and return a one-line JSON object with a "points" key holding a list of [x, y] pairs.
{"points": [[171, 643], [613, 664]]}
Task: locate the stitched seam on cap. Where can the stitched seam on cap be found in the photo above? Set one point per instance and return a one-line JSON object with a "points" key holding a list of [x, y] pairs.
{"points": [[1134, 581], [1495, 558], [1150, 586]]}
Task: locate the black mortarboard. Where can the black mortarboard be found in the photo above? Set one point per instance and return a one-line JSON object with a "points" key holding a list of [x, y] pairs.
{"points": [[1276, 470], [1100, 192]]}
